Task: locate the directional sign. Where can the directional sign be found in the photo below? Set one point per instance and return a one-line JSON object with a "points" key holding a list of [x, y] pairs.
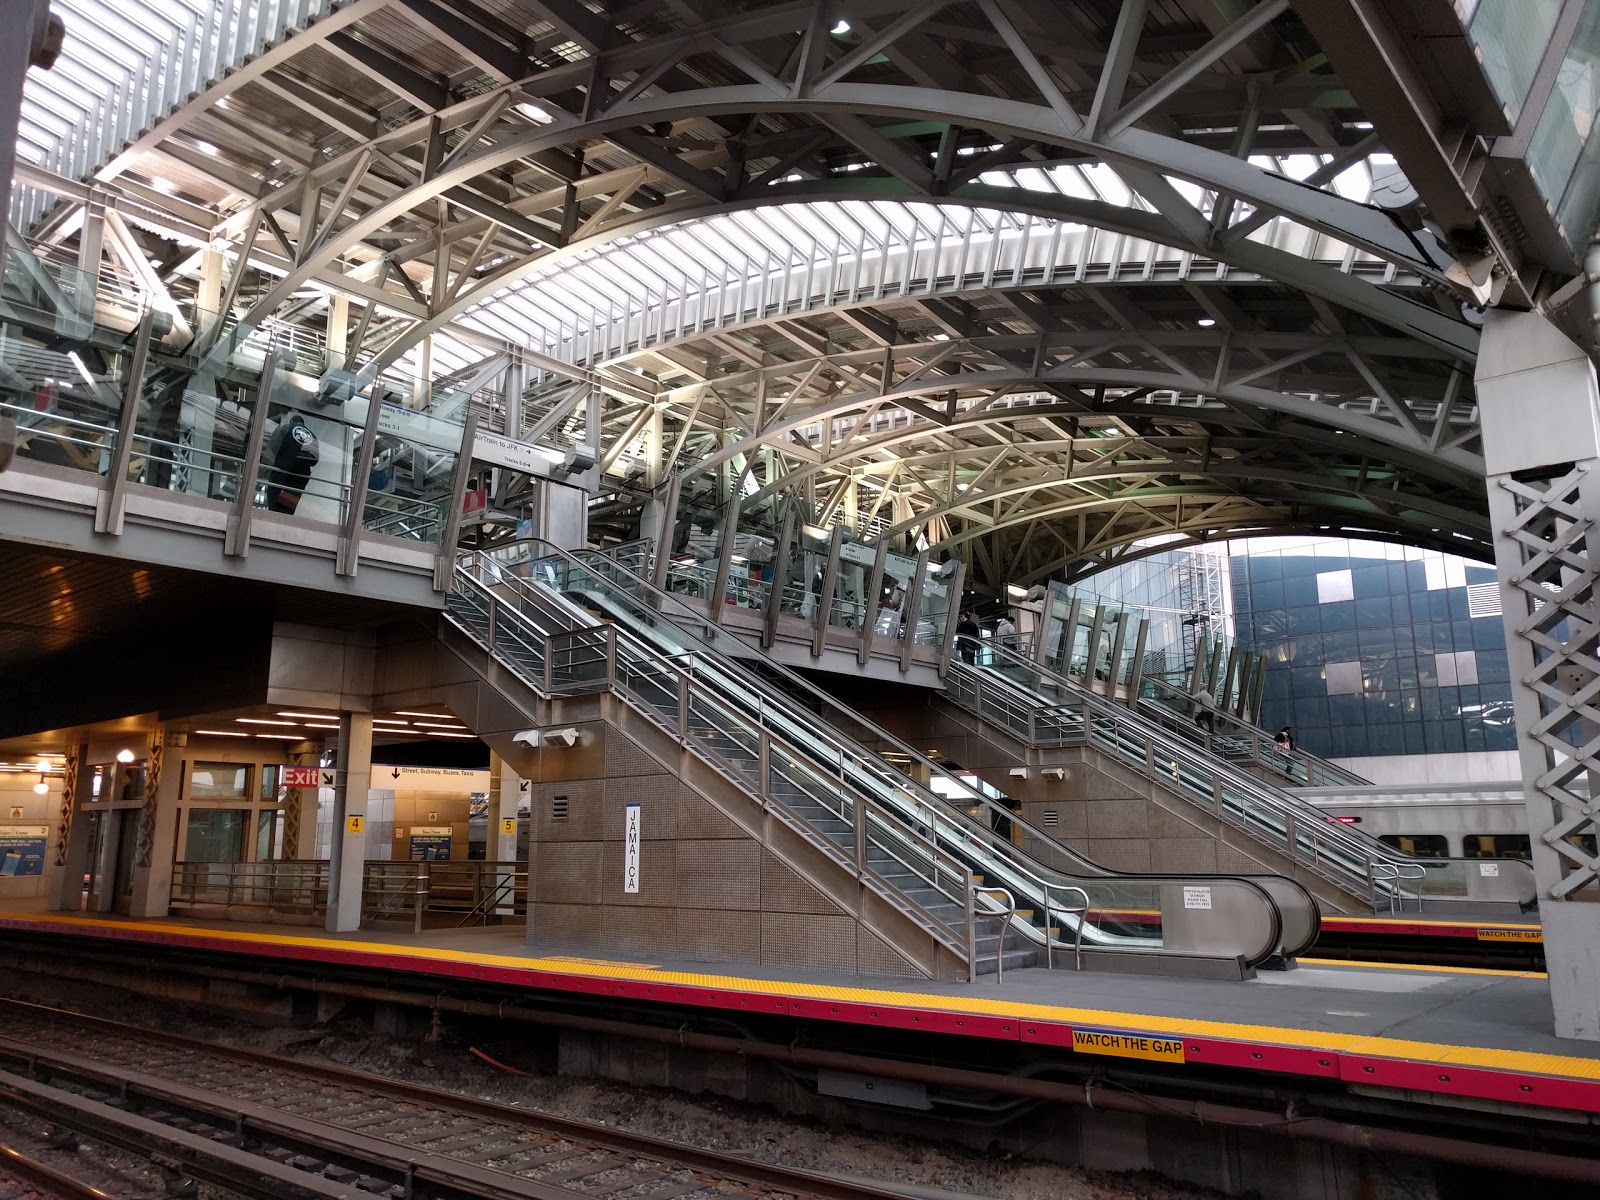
{"points": [[298, 777]]}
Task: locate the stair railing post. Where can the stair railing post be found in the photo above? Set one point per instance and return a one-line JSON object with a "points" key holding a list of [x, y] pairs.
{"points": [[494, 619], [971, 924], [1216, 796], [764, 765], [549, 667], [1289, 835], [859, 830], [683, 702]]}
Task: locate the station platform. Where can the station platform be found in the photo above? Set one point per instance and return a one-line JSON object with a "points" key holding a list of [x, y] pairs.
{"points": [[1428, 1031]]}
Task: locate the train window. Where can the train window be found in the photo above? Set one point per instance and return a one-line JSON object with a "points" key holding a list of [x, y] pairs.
{"points": [[1423, 845], [1496, 845]]}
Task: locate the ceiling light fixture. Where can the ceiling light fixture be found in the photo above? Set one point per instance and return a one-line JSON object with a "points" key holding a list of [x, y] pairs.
{"points": [[311, 716], [840, 28], [440, 733], [401, 712], [282, 737], [124, 756], [1206, 322], [221, 733], [41, 788], [265, 721]]}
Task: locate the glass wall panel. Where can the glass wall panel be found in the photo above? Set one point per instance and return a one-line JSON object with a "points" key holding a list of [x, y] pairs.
{"points": [[898, 574], [856, 559], [408, 490], [938, 601], [696, 547]]}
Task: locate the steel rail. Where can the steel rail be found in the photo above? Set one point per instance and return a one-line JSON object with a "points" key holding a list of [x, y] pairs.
{"points": [[339, 1139], [41, 1174]]}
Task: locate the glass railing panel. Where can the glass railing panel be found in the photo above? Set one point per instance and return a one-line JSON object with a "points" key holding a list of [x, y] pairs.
{"points": [[308, 456], [409, 487], [66, 400], [192, 429], [696, 550], [938, 602], [848, 609]]}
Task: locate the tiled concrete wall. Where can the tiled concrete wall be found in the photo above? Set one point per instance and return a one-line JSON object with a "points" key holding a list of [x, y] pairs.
{"points": [[708, 891]]}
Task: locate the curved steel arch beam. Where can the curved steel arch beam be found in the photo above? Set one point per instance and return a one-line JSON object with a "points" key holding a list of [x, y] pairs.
{"points": [[1320, 436], [1203, 534], [1357, 224], [1369, 427], [1314, 486], [1421, 321]]}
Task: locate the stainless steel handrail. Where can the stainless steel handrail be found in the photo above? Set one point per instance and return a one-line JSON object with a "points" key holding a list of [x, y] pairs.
{"points": [[1006, 916]]}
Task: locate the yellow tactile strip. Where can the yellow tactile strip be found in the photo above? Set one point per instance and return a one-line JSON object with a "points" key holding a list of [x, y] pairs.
{"points": [[1330, 1041]]}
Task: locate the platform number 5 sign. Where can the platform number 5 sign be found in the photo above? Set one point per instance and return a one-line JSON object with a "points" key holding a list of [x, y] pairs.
{"points": [[630, 843]]}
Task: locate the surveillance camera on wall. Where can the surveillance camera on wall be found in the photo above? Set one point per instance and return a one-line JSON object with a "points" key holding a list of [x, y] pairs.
{"points": [[567, 737], [1054, 772], [1019, 772], [528, 737]]}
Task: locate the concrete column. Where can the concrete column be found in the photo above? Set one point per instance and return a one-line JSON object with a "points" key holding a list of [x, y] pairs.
{"points": [[510, 793], [1540, 409], [158, 832], [347, 852], [72, 846]]}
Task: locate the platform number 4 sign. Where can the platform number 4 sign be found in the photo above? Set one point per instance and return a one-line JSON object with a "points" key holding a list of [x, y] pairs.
{"points": [[630, 843]]}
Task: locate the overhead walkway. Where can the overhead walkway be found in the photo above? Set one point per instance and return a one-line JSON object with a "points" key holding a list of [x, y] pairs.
{"points": [[1038, 713], [544, 627], [161, 434]]}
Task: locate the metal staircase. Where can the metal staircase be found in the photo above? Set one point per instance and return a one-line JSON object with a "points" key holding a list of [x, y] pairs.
{"points": [[1040, 709], [875, 821]]}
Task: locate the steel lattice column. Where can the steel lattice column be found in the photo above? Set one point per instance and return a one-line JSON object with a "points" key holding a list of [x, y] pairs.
{"points": [[1541, 422]]}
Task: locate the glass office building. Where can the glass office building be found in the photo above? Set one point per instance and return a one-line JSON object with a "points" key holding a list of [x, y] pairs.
{"points": [[1185, 595], [1372, 649]]}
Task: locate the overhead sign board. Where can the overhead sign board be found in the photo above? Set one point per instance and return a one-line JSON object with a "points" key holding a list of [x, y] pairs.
{"points": [[502, 451], [428, 779], [302, 777]]}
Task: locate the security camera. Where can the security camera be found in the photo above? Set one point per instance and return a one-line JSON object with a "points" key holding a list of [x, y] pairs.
{"points": [[528, 737], [567, 737], [1054, 772], [1019, 772], [577, 459]]}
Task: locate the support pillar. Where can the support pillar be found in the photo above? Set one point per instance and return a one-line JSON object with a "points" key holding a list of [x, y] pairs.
{"points": [[1541, 440], [347, 852], [72, 832], [511, 793], [158, 831]]}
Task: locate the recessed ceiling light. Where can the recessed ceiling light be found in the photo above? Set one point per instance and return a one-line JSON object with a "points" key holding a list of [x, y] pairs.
{"points": [[439, 733], [283, 737], [1205, 322], [840, 28], [312, 716], [401, 712], [124, 756], [221, 733], [266, 721]]}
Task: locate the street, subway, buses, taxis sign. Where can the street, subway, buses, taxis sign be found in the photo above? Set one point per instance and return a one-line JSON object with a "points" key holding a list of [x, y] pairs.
{"points": [[1128, 1045]]}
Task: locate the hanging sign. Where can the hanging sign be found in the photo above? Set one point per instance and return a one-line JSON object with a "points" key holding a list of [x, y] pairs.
{"points": [[630, 837]]}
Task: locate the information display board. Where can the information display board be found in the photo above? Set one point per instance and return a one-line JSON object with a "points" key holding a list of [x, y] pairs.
{"points": [[430, 843], [22, 849]]}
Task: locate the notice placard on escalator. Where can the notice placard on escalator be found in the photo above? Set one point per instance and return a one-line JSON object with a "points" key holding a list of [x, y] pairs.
{"points": [[1197, 897]]}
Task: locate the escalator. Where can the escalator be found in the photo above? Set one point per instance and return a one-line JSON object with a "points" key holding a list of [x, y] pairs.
{"points": [[1240, 741], [1036, 710], [556, 620]]}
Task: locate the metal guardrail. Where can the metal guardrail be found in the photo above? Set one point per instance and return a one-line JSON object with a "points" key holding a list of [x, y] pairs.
{"points": [[471, 889], [1025, 699]]}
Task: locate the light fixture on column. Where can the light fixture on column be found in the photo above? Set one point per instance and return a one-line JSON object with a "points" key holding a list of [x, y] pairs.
{"points": [[124, 756]]}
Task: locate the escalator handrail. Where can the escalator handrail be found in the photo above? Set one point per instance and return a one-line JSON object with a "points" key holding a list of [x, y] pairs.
{"points": [[1003, 857], [1365, 848], [1314, 763]]}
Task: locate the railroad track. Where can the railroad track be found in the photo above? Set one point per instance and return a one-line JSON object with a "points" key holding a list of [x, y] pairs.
{"points": [[262, 1125], [34, 1165]]}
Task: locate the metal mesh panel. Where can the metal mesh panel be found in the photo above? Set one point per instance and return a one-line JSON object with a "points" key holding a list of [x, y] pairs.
{"points": [[721, 873], [784, 891], [1183, 854], [1122, 854], [584, 818], [657, 797], [569, 872], [1233, 862], [658, 869], [698, 818], [709, 936], [625, 757], [1119, 818], [874, 957], [819, 943]]}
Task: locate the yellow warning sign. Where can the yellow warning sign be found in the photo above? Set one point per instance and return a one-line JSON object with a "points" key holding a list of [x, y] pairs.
{"points": [[508, 825], [355, 824], [1510, 935], [1128, 1045]]}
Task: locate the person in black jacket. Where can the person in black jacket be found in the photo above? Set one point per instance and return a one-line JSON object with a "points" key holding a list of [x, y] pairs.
{"points": [[292, 453], [967, 637]]}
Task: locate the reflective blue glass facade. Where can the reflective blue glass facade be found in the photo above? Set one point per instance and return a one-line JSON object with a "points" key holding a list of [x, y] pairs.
{"points": [[1375, 649]]}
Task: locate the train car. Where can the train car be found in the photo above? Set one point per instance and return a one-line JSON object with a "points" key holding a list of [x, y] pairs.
{"points": [[1437, 820]]}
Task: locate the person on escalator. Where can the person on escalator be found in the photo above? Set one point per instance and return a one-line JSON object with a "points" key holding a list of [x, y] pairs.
{"points": [[1284, 740], [967, 637], [1005, 631], [1205, 710]]}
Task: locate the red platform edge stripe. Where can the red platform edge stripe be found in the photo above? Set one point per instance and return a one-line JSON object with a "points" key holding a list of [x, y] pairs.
{"points": [[1516, 1087], [1403, 928]]}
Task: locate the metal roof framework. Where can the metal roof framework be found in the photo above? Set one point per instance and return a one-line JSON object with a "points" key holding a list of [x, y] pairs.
{"points": [[531, 187]]}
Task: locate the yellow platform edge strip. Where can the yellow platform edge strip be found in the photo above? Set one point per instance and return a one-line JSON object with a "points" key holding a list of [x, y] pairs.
{"points": [[1376, 1046]]}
